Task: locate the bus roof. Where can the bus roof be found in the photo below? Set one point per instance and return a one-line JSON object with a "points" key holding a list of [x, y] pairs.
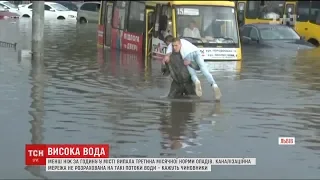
{"points": [[212, 3]]}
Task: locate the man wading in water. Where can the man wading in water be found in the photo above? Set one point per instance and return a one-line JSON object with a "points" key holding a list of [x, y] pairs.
{"points": [[192, 58]]}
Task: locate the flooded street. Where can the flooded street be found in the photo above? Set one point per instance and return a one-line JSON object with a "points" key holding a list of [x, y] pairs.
{"points": [[80, 96]]}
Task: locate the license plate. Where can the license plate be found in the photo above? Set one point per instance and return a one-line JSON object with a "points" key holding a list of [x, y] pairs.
{"points": [[222, 66]]}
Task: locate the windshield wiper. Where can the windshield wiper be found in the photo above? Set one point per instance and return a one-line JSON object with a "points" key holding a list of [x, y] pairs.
{"points": [[225, 38]]}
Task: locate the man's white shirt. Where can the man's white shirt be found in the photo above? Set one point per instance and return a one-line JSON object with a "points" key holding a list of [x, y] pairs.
{"points": [[195, 33], [186, 48]]}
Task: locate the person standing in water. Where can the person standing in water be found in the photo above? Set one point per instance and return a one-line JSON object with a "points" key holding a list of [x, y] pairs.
{"points": [[192, 58]]}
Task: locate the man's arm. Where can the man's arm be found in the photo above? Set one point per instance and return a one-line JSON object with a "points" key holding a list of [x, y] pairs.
{"points": [[165, 69], [166, 58], [169, 49]]}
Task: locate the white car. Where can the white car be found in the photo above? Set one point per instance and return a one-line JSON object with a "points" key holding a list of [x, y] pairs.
{"points": [[89, 12], [6, 5], [51, 11]]}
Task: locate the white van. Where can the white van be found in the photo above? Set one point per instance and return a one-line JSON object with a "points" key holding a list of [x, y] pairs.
{"points": [[89, 12]]}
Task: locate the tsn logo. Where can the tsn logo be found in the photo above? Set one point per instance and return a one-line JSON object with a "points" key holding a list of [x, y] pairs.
{"points": [[287, 141]]}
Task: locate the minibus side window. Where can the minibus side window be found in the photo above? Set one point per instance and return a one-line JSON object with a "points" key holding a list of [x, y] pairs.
{"points": [[165, 22], [315, 12], [136, 17], [252, 9], [303, 8], [119, 18], [271, 10]]}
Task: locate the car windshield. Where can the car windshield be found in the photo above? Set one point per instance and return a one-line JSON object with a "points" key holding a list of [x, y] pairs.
{"points": [[59, 7], [278, 33], [69, 5], [9, 4], [216, 24]]}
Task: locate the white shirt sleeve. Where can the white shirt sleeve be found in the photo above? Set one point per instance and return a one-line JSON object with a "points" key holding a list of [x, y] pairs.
{"points": [[186, 32], [198, 33], [195, 33], [169, 49]]}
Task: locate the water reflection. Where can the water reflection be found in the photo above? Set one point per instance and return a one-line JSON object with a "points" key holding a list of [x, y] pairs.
{"points": [[180, 123], [307, 67], [120, 62], [37, 95], [173, 124], [308, 119]]}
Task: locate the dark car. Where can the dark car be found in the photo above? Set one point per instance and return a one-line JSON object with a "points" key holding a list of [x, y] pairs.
{"points": [[68, 4], [272, 35]]}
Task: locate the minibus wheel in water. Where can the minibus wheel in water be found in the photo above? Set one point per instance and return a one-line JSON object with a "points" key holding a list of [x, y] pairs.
{"points": [[314, 42], [83, 20], [61, 18]]}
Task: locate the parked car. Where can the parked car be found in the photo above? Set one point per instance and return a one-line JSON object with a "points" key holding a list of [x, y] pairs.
{"points": [[272, 35], [78, 4], [5, 14], [6, 5], [68, 4], [52, 11], [88, 12]]}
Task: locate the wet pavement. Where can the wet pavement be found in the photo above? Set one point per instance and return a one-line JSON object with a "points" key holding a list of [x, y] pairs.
{"points": [[80, 96]]}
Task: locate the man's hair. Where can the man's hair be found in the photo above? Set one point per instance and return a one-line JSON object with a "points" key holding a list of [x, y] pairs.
{"points": [[169, 38], [176, 40]]}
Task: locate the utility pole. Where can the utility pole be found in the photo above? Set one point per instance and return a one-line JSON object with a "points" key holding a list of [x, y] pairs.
{"points": [[37, 28], [37, 75]]}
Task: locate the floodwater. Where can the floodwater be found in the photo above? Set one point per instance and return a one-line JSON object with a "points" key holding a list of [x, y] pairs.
{"points": [[79, 96]]}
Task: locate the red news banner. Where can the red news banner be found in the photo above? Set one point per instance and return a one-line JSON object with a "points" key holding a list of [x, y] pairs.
{"points": [[36, 154]]}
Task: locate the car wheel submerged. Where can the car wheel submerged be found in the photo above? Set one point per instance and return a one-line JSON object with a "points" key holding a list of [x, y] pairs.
{"points": [[26, 15], [83, 20], [61, 18], [314, 42]]}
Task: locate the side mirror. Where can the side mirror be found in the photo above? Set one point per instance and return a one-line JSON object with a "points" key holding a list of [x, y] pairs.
{"points": [[52, 10], [240, 19], [302, 37], [241, 15]]}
